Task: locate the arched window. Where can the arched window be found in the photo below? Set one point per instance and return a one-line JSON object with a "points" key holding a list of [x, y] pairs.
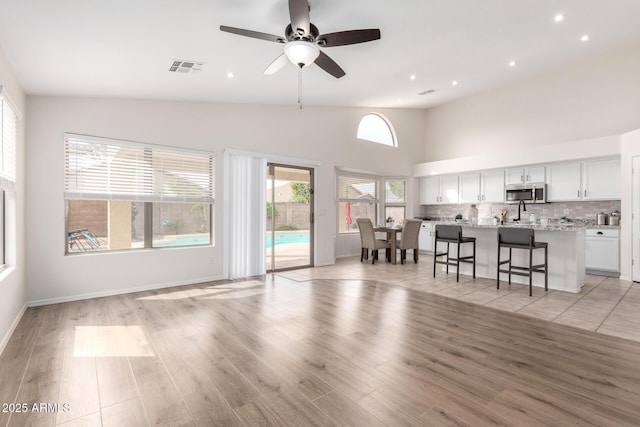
{"points": [[376, 128]]}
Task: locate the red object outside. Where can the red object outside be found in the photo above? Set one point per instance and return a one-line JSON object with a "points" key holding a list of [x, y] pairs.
{"points": [[347, 209]]}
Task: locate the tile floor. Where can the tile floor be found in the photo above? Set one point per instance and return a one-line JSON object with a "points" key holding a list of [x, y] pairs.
{"points": [[605, 305]]}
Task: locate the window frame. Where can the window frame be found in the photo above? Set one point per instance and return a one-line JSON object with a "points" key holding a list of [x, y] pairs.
{"points": [[3, 229], [388, 204], [9, 115], [375, 201], [149, 165], [384, 120], [380, 200]]}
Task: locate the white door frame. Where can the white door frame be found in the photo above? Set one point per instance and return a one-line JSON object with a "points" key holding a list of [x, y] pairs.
{"points": [[635, 218]]}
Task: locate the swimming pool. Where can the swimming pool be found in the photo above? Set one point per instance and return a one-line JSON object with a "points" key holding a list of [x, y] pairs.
{"points": [[283, 237]]}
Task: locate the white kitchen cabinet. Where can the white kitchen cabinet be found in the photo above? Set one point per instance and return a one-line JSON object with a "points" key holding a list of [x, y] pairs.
{"points": [[449, 189], [564, 182], [426, 236], [601, 180], [524, 175], [437, 190], [429, 190], [470, 188], [492, 187]]}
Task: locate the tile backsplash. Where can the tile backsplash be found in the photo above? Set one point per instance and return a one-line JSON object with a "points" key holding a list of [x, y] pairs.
{"points": [[580, 211]]}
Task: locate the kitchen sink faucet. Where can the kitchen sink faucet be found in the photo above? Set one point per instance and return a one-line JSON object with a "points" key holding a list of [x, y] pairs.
{"points": [[524, 208]]}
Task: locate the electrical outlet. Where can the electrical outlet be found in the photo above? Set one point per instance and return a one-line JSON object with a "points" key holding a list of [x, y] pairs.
{"points": [[566, 211]]}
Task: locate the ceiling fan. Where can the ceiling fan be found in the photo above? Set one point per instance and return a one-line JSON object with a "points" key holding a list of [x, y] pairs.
{"points": [[302, 41]]}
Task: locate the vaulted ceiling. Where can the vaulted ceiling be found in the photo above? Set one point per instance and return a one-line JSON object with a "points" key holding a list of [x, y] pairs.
{"points": [[124, 48]]}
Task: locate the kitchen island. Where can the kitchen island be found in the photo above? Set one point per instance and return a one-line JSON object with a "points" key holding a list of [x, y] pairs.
{"points": [[566, 263]]}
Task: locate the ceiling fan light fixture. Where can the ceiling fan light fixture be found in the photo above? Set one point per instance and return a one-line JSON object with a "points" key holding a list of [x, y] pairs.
{"points": [[301, 52]]}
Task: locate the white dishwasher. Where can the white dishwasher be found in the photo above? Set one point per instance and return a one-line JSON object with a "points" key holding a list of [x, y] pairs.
{"points": [[602, 251], [426, 236]]}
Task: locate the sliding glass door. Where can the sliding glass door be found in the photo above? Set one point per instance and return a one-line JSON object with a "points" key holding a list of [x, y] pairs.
{"points": [[289, 210]]}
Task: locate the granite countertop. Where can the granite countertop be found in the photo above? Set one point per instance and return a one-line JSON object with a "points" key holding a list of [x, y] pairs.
{"points": [[552, 226]]}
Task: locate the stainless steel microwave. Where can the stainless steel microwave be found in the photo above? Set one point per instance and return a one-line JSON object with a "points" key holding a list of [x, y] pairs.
{"points": [[529, 193]]}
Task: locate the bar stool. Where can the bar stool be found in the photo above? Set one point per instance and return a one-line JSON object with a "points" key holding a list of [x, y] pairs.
{"points": [[452, 234], [521, 238]]}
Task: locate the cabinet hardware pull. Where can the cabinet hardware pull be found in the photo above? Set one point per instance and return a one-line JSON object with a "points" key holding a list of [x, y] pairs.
{"points": [[585, 193], [578, 193]]}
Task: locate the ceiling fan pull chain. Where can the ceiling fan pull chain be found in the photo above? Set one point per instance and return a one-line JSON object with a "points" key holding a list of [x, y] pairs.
{"points": [[300, 87]]}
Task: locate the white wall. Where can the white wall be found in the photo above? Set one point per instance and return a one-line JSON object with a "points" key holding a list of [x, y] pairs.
{"points": [[12, 279], [587, 100], [326, 135]]}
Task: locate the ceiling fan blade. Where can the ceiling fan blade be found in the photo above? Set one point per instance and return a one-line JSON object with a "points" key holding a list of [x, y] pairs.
{"points": [[299, 13], [329, 65], [252, 34], [277, 64], [343, 38]]}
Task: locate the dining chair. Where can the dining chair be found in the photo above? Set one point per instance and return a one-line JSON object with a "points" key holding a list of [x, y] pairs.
{"points": [[368, 241], [409, 239]]}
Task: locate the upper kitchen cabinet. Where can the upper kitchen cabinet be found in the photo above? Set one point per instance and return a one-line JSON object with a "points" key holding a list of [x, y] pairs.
{"points": [[429, 190], [492, 187], [524, 175], [438, 190], [564, 182], [470, 188], [601, 180], [589, 180]]}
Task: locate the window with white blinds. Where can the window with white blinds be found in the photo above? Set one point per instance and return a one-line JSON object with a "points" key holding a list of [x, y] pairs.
{"points": [[361, 196], [357, 189], [8, 148], [357, 198], [106, 169]]}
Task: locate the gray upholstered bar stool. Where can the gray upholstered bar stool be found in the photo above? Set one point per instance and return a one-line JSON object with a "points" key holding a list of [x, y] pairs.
{"points": [[452, 234], [521, 238]]}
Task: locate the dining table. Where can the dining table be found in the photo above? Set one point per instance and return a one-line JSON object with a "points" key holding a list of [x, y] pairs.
{"points": [[392, 236]]}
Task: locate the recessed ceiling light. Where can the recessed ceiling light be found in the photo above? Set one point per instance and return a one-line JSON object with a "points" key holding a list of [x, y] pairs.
{"points": [[558, 18], [230, 75], [454, 83], [412, 76], [512, 63], [584, 38]]}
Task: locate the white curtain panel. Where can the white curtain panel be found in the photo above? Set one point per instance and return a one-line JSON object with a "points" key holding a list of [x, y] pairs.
{"points": [[247, 215]]}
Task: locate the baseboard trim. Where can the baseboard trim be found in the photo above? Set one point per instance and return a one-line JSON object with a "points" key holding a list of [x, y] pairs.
{"points": [[606, 273], [12, 328], [70, 298]]}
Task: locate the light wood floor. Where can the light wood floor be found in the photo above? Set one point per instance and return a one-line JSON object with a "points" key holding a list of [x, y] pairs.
{"points": [[606, 305], [313, 351]]}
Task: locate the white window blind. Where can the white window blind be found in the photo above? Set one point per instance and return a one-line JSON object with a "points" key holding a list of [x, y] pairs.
{"points": [[105, 169], [357, 188], [8, 149]]}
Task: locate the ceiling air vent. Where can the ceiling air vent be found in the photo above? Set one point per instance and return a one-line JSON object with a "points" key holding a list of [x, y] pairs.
{"points": [[427, 92], [180, 66]]}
